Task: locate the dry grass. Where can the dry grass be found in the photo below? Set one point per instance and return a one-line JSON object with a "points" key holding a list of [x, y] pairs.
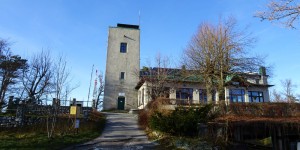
{"points": [[236, 118], [35, 136]]}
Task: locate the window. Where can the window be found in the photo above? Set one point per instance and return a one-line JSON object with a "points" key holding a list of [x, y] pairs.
{"points": [[256, 96], [143, 101], [139, 98], [123, 47], [122, 77], [166, 92], [163, 92], [203, 95], [184, 93], [257, 81], [237, 95]]}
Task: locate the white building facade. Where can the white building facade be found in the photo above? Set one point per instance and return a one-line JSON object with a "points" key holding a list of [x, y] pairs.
{"points": [[241, 88]]}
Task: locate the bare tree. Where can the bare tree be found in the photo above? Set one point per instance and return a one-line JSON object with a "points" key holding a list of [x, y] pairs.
{"points": [[218, 50], [286, 11], [62, 79], [288, 90], [68, 89], [37, 77], [298, 98], [100, 91], [157, 77], [287, 94], [276, 96], [60, 76]]}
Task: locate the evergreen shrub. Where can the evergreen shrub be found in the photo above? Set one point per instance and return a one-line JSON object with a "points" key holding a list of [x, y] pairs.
{"points": [[182, 121]]}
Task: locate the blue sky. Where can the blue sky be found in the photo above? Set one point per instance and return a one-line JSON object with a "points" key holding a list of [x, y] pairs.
{"points": [[79, 30]]}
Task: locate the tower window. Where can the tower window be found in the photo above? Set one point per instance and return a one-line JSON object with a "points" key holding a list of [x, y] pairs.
{"points": [[123, 47], [122, 76]]}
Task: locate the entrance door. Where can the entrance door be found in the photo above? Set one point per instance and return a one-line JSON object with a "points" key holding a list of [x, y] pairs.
{"points": [[121, 103]]}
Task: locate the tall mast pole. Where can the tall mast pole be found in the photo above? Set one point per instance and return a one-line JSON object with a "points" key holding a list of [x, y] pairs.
{"points": [[139, 18], [87, 103], [95, 90]]}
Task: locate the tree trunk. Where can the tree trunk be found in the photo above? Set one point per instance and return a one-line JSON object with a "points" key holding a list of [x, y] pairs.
{"points": [[209, 90]]}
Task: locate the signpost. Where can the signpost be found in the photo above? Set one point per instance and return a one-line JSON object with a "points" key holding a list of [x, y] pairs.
{"points": [[75, 110], [77, 123]]}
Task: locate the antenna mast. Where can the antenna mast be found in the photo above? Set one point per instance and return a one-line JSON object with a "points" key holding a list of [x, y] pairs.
{"points": [[139, 18], [87, 103], [95, 90]]}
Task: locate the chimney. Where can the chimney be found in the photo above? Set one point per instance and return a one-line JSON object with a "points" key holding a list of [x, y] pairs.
{"points": [[263, 74], [262, 71]]}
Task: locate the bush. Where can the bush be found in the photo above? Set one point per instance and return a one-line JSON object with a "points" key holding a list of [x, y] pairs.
{"points": [[182, 121], [265, 109], [143, 119], [96, 116], [152, 107]]}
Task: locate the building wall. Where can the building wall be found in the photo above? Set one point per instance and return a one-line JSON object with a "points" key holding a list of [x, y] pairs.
{"points": [[143, 97], [172, 93], [196, 88], [173, 88], [117, 62]]}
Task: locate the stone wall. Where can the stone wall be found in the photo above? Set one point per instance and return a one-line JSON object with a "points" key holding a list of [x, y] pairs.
{"points": [[30, 115], [9, 121]]}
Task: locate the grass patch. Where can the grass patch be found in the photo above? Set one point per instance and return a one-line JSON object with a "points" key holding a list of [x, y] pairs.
{"points": [[35, 137], [167, 141], [266, 141], [40, 140]]}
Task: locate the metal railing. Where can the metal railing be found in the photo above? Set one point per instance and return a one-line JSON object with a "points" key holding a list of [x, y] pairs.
{"points": [[66, 102], [182, 102]]}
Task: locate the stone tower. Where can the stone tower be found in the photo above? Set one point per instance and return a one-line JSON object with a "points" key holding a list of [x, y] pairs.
{"points": [[122, 65]]}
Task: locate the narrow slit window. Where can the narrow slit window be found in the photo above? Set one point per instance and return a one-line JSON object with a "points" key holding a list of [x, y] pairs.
{"points": [[123, 48], [122, 76]]}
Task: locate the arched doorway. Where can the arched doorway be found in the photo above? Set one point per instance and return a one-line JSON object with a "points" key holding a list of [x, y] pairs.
{"points": [[121, 103]]}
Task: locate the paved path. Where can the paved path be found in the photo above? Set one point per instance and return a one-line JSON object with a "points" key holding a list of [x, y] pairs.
{"points": [[121, 132]]}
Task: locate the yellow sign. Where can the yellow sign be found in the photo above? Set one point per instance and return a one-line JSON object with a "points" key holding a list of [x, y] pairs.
{"points": [[73, 110]]}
